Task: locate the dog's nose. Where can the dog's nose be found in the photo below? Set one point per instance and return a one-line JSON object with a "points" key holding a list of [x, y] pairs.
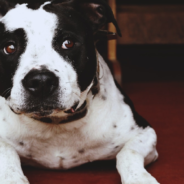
{"points": [[40, 84]]}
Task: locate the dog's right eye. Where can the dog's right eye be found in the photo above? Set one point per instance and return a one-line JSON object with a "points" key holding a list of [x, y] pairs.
{"points": [[9, 49], [67, 44]]}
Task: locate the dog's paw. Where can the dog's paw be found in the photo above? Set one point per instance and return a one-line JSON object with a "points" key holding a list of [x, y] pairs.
{"points": [[144, 178]]}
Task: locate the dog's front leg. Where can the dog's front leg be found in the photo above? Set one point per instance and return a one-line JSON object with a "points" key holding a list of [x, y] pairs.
{"points": [[136, 153], [10, 168]]}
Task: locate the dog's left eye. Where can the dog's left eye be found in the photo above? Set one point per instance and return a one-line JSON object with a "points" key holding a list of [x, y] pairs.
{"points": [[67, 44], [9, 49]]}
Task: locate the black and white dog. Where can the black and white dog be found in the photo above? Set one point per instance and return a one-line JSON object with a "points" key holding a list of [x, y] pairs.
{"points": [[64, 108]]}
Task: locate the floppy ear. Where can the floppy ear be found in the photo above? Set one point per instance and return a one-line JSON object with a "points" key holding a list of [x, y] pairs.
{"points": [[97, 12]]}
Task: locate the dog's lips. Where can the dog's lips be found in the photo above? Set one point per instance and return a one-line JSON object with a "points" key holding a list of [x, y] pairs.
{"points": [[42, 113], [63, 116], [46, 113], [72, 109], [34, 112]]}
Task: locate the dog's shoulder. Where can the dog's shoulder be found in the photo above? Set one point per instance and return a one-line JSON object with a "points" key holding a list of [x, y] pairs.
{"points": [[111, 91], [140, 121]]}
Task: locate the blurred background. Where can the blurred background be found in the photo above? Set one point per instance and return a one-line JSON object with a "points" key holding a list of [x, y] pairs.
{"points": [[152, 42]]}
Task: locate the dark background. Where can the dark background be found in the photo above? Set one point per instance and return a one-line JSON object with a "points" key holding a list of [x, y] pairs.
{"points": [[145, 2], [149, 62]]}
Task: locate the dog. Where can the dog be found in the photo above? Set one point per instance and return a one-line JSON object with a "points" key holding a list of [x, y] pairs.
{"points": [[63, 107]]}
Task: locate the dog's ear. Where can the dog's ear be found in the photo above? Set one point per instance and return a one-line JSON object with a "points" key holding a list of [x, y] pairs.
{"points": [[97, 12], [5, 6]]}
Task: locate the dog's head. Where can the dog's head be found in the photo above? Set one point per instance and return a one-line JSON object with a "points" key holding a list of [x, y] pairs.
{"points": [[47, 52]]}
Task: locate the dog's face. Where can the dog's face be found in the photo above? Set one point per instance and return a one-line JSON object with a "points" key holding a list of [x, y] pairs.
{"points": [[48, 55]]}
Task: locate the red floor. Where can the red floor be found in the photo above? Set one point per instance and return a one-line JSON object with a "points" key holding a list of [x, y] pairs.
{"points": [[162, 104]]}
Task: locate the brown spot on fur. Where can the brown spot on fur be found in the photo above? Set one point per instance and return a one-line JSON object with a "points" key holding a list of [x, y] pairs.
{"points": [[132, 128], [104, 97], [21, 143], [81, 151], [29, 156], [133, 152]]}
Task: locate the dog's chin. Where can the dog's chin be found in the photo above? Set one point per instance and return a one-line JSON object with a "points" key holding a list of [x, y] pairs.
{"points": [[54, 115], [31, 113], [45, 111]]}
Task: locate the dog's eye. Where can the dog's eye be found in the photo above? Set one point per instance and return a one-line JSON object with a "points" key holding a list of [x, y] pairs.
{"points": [[67, 44], [9, 49]]}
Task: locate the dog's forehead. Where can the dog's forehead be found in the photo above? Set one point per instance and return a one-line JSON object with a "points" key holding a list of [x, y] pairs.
{"points": [[30, 20]]}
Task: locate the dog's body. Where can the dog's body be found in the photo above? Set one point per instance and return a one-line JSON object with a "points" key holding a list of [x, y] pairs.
{"points": [[89, 118]]}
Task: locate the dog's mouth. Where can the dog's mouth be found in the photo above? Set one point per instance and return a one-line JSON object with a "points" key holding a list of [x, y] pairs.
{"points": [[49, 110], [49, 114], [69, 115]]}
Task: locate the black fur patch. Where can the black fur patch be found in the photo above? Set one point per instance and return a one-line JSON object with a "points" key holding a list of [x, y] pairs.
{"points": [[9, 63], [82, 56], [140, 121]]}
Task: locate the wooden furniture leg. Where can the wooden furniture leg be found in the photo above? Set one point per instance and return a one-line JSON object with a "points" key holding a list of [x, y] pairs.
{"points": [[112, 48]]}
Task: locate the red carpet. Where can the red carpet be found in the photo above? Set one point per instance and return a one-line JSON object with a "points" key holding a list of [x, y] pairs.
{"points": [[162, 104]]}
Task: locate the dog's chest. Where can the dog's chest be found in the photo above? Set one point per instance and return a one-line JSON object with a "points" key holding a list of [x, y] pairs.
{"points": [[66, 150]]}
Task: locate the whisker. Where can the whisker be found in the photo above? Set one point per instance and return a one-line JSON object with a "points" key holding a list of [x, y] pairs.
{"points": [[4, 94], [5, 91], [8, 92]]}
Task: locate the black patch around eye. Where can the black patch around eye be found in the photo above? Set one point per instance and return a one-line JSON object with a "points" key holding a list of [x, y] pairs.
{"points": [[83, 55], [9, 63]]}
